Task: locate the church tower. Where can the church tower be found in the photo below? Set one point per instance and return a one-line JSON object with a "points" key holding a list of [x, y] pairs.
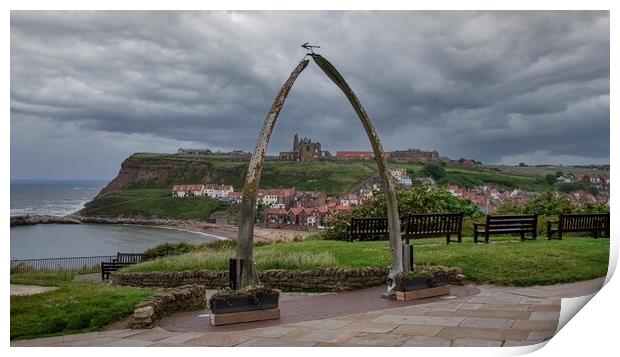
{"points": [[295, 142]]}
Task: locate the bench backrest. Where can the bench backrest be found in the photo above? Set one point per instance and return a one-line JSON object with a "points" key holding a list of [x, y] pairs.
{"points": [[369, 226], [130, 257], [511, 224], [433, 223], [584, 222]]}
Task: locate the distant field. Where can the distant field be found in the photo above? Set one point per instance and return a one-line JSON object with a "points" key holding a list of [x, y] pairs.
{"points": [[152, 203], [542, 171]]}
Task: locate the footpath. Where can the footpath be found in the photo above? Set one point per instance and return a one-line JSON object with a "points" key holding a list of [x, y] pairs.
{"points": [[495, 316]]}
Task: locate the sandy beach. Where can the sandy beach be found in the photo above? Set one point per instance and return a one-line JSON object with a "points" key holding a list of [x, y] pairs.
{"points": [[230, 232]]}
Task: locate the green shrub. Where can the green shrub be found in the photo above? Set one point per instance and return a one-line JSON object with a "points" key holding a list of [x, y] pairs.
{"points": [[417, 199], [435, 171], [166, 249], [595, 208]]}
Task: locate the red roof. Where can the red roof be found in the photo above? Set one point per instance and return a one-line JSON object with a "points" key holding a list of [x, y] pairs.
{"points": [[296, 210], [215, 186], [276, 211], [342, 208], [309, 211], [183, 188]]}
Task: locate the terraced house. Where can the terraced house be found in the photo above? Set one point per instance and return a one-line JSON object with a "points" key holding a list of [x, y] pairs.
{"points": [[188, 190]]}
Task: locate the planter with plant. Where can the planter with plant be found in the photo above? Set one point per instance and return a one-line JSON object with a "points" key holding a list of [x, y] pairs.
{"points": [[251, 304], [422, 282]]}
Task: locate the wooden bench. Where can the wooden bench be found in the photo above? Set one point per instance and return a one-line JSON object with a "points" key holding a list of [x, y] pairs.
{"points": [[412, 226], [506, 225], [133, 258], [596, 223], [432, 225], [108, 267], [367, 229]]}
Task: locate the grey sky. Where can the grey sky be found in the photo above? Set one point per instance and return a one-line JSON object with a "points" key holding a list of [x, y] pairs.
{"points": [[90, 88]]}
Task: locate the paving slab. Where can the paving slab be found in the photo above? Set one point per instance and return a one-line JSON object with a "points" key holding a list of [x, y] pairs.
{"points": [[378, 339], [541, 335], [453, 333], [417, 330], [181, 338], [487, 322], [129, 342], [271, 332], [420, 320], [93, 342], [333, 336], [270, 342], [545, 315], [427, 341], [218, 340], [511, 343], [497, 314], [472, 342], [535, 325], [363, 326], [154, 335]]}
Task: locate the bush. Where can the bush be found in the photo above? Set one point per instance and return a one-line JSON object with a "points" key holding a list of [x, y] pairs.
{"points": [[567, 187], [166, 249], [595, 208], [417, 199], [435, 171], [548, 204], [551, 179]]}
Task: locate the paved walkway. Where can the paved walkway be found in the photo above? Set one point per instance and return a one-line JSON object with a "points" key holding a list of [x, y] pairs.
{"points": [[19, 289], [497, 316]]}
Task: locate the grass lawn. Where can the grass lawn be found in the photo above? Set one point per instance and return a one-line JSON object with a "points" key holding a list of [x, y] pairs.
{"points": [[507, 261], [72, 308], [152, 203]]}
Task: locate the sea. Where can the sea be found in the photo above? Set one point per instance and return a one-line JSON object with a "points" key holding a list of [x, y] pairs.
{"points": [[62, 197]]}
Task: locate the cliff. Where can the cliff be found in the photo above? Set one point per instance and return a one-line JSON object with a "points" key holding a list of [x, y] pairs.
{"points": [[142, 186]]}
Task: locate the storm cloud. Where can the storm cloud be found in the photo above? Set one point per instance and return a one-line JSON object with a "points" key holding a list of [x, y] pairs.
{"points": [[90, 88]]}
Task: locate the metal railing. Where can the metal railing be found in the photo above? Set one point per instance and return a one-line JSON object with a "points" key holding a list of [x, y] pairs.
{"points": [[81, 264]]}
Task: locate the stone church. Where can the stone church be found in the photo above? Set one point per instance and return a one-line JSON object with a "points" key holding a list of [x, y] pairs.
{"points": [[304, 150]]}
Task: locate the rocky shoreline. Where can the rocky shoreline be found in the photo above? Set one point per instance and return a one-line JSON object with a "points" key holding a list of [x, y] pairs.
{"points": [[222, 231]]}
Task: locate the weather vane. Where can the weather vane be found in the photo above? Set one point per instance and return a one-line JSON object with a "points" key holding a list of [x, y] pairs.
{"points": [[310, 48]]}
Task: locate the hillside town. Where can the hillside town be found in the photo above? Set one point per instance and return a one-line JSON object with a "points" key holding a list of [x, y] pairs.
{"points": [[289, 207]]}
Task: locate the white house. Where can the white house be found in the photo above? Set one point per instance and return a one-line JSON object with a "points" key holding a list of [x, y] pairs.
{"points": [[188, 190], [568, 178], [400, 177], [269, 198], [218, 191]]}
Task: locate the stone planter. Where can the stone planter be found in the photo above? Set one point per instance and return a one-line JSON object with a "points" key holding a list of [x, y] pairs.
{"points": [[417, 287], [240, 303], [240, 308], [418, 282]]}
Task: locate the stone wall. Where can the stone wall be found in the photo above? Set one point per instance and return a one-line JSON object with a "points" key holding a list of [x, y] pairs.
{"points": [[331, 279], [182, 298]]}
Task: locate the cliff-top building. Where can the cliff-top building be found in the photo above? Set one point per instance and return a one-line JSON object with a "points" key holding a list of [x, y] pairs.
{"points": [[415, 155], [304, 150]]}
